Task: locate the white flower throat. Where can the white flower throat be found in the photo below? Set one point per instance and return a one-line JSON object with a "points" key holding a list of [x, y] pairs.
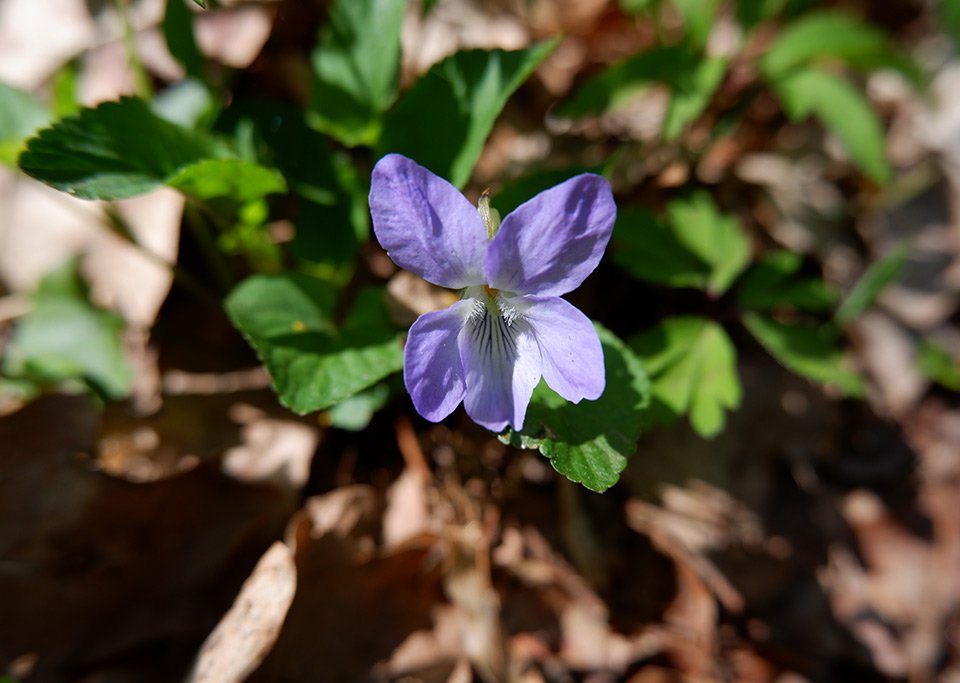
{"points": [[489, 302]]}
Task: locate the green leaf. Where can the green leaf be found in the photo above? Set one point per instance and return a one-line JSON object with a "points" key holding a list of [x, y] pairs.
{"points": [[698, 17], [949, 11], [117, 150], [774, 282], [692, 93], [445, 118], [288, 319], [648, 249], [354, 414], [240, 180], [715, 238], [590, 442], [332, 217], [20, 115], [825, 35], [188, 103], [693, 365], [844, 111], [64, 337], [871, 283], [620, 82], [808, 350], [938, 364], [634, 6], [355, 66], [178, 32], [751, 13]]}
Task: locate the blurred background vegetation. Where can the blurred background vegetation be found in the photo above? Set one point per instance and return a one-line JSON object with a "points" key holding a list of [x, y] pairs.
{"points": [[201, 343]]}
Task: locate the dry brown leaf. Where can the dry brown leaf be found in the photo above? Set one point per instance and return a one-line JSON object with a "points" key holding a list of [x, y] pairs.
{"points": [[247, 632], [372, 602], [408, 512], [114, 567], [67, 29], [235, 35], [456, 25], [273, 450], [409, 297], [889, 354], [42, 228]]}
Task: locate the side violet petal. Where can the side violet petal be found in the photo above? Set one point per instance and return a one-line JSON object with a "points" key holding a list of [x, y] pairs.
{"points": [[569, 346], [501, 364], [551, 243], [432, 371], [426, 225]]}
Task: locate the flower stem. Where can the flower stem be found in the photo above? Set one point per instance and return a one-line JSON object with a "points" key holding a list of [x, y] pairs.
{"points": [[140, 78]]}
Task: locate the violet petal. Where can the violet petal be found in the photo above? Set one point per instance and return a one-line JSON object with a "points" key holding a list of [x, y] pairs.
{"points": [[551, 243], [432, 371], [569, 346], [426, 225], [501, 364]]}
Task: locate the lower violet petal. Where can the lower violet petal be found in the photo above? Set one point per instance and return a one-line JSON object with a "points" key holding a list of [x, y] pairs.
{"points": [[432, 371], [569, 346], [501, 362]]}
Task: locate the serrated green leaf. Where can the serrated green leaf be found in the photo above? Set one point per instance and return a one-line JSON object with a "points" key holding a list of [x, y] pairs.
{"points": [[844, 111], [20, 115], [713, 237], [240, 180], [590, 442], [648, 249], [445, 118], [693, 366], [812, 351], [355, 66], [825, 35], [65, 338], [774, 282], [178, 32], [287, 318], [871, 283], [618, 83], [691, 93], [117, 150], [936, 363]]}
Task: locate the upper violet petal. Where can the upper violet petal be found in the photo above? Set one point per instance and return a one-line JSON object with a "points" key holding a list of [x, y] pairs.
{"points": [[569, 346], [426, 225], [501, 364], [551, 243], [432, 371]]}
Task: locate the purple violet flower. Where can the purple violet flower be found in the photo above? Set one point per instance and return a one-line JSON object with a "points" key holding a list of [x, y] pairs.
{"points": [[510, 327]]}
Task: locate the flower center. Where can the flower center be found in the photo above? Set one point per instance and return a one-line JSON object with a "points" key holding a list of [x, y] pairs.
{"points": [[495, 325], [489, 302]]}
